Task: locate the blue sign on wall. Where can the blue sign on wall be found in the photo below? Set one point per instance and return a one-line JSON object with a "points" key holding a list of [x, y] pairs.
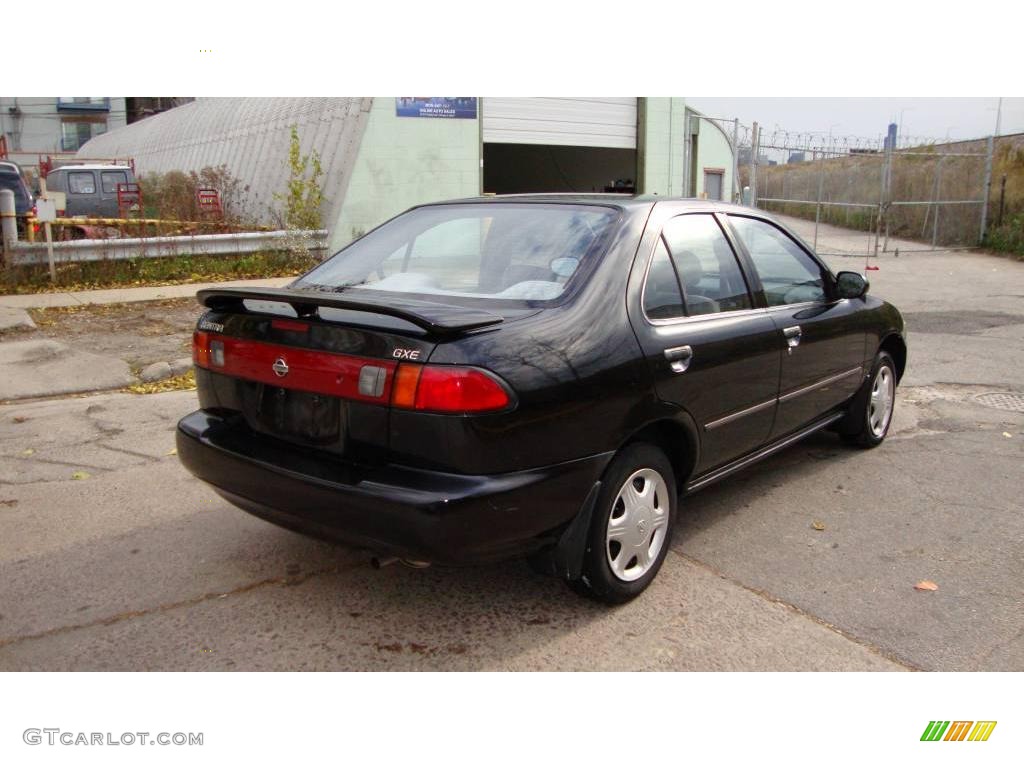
{"points": [[436, 106]]}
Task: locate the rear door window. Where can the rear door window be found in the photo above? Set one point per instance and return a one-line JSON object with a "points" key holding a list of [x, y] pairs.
{"points": [[81, 183], [708, 270], [663, 299], [110, 179]]}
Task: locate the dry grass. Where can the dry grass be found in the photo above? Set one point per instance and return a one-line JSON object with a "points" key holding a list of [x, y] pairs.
{"points": [[170, 270], [184, 382], [858, 179]]}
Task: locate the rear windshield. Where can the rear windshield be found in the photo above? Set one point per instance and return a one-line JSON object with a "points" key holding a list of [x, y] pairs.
{"points": [[495, 252], [14, 182]]}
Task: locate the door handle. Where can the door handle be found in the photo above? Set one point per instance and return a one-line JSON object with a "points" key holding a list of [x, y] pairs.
{"points": [[792, 334], [679, 358]]}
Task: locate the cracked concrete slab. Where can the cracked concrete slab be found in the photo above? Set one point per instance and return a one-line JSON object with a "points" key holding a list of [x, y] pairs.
{"points": [[12, 319], [43, 368]]}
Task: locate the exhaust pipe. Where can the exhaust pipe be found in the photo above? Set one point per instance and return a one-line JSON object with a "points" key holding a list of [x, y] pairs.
{"points": [[415, 563], [378, 562]]}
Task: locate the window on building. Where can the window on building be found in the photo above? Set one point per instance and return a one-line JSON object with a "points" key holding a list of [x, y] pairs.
{"points": [[74, 133]]}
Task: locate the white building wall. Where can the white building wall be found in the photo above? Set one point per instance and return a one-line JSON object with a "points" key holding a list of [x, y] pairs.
{"points": [[252, 137]]}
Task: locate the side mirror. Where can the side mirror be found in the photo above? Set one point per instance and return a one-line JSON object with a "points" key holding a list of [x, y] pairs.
{"points": [[851, 285]]}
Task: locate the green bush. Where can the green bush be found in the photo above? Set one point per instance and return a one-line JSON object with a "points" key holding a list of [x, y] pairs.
{"points": [[1008, 238]]}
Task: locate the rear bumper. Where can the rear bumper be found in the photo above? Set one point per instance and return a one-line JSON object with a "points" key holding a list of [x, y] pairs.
{"points": [[390, 509]]}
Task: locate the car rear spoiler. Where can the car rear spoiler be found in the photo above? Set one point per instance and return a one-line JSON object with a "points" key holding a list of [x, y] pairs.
{"points": [[438, 319]]}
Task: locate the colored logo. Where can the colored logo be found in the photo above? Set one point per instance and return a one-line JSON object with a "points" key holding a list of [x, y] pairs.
{"points": [[958, 730]]}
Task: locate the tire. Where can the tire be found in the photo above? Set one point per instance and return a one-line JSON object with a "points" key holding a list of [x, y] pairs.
{"points": [[638, 498], [871, 410]]}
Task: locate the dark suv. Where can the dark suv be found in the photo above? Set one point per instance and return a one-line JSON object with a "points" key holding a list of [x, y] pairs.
{"points": [[12, 179], [539, 376]]}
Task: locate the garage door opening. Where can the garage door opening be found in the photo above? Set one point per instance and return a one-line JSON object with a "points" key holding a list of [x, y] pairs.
{"points": [[524, 168]]}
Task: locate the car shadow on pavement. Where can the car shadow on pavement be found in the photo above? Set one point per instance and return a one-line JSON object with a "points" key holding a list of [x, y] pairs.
{"points": [[820, 458]]}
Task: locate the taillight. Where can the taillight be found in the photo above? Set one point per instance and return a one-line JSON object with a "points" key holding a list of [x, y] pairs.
{"points": [[201, 349], [207, 352], [448, 389]]}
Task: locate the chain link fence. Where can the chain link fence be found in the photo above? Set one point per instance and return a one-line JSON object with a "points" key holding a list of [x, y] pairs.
{"points": [[907, 188]]}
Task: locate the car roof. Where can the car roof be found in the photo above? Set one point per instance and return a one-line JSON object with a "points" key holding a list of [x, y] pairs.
{"points": [[92, 167], [582, 198]]}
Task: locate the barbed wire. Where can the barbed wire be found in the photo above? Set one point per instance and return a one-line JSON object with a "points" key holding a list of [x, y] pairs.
{"points": [[822, 142]]}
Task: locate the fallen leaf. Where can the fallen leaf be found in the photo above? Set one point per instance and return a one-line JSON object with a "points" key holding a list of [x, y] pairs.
{"points": [[1007, 434], [172, 452], [80, 475], [28, 452], [818, 525], [926, 586]]}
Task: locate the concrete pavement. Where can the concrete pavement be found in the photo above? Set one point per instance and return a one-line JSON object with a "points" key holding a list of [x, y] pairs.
{"points": [[139, 566]]}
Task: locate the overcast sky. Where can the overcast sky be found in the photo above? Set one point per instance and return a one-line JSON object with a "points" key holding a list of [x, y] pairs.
{"points": [[961, 118]]}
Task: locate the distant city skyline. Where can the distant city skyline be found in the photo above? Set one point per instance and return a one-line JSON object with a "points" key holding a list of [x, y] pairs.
{"points": [[868, 117]]}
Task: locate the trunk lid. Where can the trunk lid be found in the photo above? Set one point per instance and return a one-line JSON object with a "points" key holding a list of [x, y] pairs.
{"points": [[317, 369]]}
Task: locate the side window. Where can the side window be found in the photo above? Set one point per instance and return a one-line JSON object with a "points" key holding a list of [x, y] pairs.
{"points": [[110, 179], [708, 270], [662, 299], [788, 274], [81, 183]]}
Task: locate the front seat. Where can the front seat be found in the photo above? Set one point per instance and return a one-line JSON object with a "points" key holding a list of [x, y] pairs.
{"points": [[691, 272]]}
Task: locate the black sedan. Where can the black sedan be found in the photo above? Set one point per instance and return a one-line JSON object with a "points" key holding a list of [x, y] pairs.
{"points": [[539, 376]]}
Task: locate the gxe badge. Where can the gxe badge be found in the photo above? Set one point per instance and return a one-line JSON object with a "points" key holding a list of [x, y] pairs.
{"points": [[280, 367]]}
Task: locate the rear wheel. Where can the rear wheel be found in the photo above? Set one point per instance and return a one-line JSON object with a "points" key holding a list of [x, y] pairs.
{"points": [[631, 526], [871, 412]]}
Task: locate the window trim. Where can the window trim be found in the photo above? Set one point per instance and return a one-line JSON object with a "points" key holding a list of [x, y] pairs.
{"points": [[740, 263]]}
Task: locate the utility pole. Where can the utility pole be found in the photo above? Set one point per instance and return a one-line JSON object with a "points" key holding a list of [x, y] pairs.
{"points": [[987, 189], [754, 140], [735, 157]]}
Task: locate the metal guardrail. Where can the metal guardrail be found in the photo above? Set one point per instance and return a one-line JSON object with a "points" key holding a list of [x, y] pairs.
{"points": [[157, 247]]}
